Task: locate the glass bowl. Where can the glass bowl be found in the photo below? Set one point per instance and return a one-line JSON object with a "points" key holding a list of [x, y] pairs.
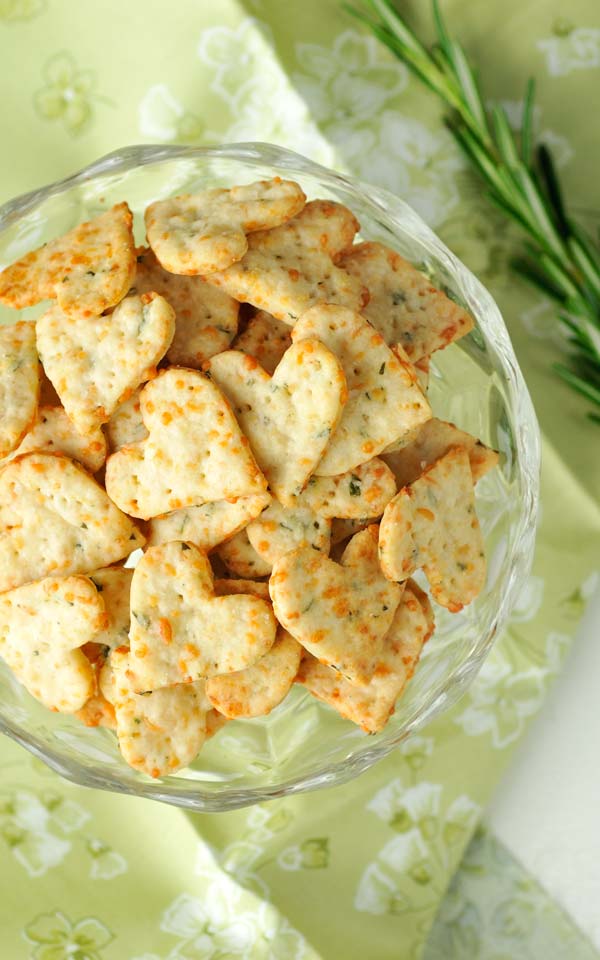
{"points": [[303, 744]]}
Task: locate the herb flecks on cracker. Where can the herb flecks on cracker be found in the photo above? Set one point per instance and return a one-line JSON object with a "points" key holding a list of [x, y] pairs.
{"points": [[88, 270]]}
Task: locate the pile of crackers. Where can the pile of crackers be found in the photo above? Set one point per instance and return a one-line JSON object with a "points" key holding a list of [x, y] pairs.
{"points": [[244, 399]]}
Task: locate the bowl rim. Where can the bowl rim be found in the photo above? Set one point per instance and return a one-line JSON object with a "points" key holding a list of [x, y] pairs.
{"points": [[526, 439]]}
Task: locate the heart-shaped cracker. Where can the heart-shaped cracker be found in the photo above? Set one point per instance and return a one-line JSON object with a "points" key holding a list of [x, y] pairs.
{"points": [[195, 451], [159, 732], [289, 269], [339, 613], [384, 400], [55, 519], [279, 530], [403, 303], [206, 317], [362, 492], [113, 584], [42, 626], [432, 524], [266, 339], [19, 383], [180, 631], [87, 270], [289, 417], [213, 720], [96, 363], [241, 559], [53, 432], [204, 232], [126, 425], [208, 525], [371, 705], [433, 440], [255, 691]]}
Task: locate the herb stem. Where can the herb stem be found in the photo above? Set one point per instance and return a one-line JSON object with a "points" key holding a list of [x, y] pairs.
{"points": [[561, 259]]}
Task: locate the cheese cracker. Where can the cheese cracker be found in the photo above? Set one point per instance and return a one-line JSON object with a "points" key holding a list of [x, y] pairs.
{"points": [[338, 612], [255, 691], [195, 451], [224, 587], [206, 318], [159, 732], [289, 417], [114, 586], [433, 440], [384, 400], [88, 270], [42, 627], [208, 525], [370, 705], [126, 424], [404, 306], [55, 519], [432, 524], [241, 559], [290, 268], [204, 232], [95, 363], [180, 631], [266, 339], [19, 383], [362, 492], [55, 433], [279, 530]]}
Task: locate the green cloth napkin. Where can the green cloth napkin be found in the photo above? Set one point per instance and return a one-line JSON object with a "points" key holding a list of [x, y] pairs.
{"points": [[361, 870]]}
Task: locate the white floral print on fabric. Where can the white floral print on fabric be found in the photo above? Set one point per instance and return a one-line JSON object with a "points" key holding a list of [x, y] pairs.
{"points": [[286, 120], [500, 702], [264, 822], [577, 600], [207, 927], [577, 49], [237, 55], [54, 937], [68, 93], [410, 868], [514, 679], [416, 163], [494, 910], [106, 863], [162, 117], [231, 891], [309, 854], [347, 83], [241, 860], [213, 928], [259, 96], [34, 827], [349, 88]]}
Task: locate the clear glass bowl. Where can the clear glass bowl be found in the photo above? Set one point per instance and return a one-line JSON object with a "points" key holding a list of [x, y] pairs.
{"points": [[476, 383]]}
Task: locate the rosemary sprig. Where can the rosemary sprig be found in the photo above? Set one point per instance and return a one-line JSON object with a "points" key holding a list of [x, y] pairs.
{"points": [[559, 257]]}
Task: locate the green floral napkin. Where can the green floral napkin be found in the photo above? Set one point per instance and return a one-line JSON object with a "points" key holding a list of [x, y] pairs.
{"points": [[361, 870]]}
